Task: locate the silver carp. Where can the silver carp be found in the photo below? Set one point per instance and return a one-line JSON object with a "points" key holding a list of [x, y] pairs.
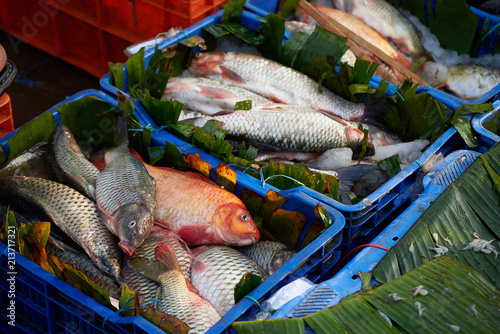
{"points": [[177, 296], [215, 272], [69, 163], [72, 212], [290, 128], [280, 84], [269, 255], [126, 194], [209, 96]]}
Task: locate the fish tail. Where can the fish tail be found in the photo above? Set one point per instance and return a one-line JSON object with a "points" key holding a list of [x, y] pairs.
{"points": [[166, 256], [372, 109]]}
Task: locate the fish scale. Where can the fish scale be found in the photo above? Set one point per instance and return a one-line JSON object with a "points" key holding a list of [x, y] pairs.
{"points": [[269, 255], [216, 271], [279, 83], [73, 213], [177, 300], [140, 283]]}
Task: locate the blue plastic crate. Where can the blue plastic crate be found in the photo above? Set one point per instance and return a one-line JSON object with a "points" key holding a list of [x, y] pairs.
{"points": [[60, 307], [487, 138], [347, 281]]}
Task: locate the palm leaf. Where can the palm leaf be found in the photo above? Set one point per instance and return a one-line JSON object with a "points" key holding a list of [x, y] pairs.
{"points": [[469, 205], [471, 306]]}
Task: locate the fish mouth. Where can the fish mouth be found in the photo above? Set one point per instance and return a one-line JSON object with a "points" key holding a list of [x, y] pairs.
{"points": [[247, 240], [126, 247]]}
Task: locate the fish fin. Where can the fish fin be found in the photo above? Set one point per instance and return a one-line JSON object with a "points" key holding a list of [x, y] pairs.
{"points": [[334, 117], [230, 75], [224, 112], [199, 234], [263, 146], [275, 98], [149, 268], [197, 265], [372, 109], [166, 256], [191, 287], [215, 93], [121, 130]]}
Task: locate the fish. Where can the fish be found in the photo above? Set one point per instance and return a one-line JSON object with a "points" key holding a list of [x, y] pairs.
{"points": [[490, 6], [209, 96], [69, 163], [471, 81], [269, 255], [177, 296], [360, 29], [378, 136], [280, 84], [126, 193], [290, 128], [75, 214], [78, 259], [361, 179], [217, 270], [160, 235], [388, 21], [147, 288], [200, 211], [32, 162]]}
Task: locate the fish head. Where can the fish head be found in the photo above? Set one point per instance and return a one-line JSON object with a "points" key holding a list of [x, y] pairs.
{"points": [[205, 63], [63, 138], [134, 223], [355, 141], [235, 225]]}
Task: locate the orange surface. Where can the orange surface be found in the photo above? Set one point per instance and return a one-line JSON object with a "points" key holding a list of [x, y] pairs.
{"points": [[6, 120]]}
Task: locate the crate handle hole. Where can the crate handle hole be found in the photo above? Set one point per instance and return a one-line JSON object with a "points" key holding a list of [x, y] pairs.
{"points": [[354, 277], [395, 238]]}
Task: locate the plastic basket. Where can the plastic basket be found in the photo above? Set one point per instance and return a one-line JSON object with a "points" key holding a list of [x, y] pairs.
{"points": [[487, 138], [347, 281], [50, 305]]}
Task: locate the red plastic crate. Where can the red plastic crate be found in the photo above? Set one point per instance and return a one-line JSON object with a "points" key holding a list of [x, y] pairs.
{"points": [[6, 120], [89, 33]]}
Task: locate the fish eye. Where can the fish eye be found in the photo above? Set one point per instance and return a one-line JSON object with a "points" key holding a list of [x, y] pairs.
{"points": [[68, 135], [245, 217], [394, 136], [131, 224]]}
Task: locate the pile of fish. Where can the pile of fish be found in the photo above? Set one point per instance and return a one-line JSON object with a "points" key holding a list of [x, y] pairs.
{"points": [[165, 233], [404, 39]]}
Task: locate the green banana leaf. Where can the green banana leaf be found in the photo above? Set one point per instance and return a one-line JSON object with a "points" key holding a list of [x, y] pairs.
{"points": [[458, 298], [469, 205]]}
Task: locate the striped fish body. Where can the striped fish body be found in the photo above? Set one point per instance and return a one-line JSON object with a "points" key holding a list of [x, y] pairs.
{"points": [[215, 272], [290, 128], [126, 197], [278, 83], [73, 213], [209, 96]]}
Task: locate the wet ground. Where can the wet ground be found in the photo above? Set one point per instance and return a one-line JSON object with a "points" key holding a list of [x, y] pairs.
{"points": [[42, 80]]}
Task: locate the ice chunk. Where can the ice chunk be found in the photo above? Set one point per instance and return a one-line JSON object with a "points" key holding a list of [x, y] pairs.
{"points": [[434, 73], [332, 159], [404, 150]]}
